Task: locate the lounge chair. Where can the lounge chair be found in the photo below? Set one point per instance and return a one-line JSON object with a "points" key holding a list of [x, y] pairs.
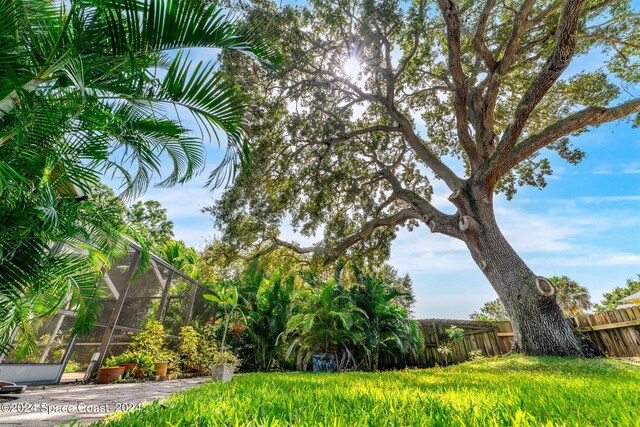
{"points": [[7, 387]]}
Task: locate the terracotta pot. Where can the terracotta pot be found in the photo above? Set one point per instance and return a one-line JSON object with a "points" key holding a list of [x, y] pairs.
{"points": [[138, 372], [195, 370], [161, 368], [129, 367], [109, 375]]}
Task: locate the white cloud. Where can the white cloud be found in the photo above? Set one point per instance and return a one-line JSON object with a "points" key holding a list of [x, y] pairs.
{"points": [[632, 168]]}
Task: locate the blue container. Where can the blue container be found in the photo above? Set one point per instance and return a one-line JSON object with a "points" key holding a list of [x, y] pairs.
{"points": [[324, 362]]}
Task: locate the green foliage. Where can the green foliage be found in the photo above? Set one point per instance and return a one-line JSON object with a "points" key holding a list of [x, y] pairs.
{"points": [[386, 325], [506, 391], [151, 219], [111, 362], [227, 300], [454, 335], [325, 320], [72, 366], [224, 358], [359, 317], [573, 299], [492, 311], [208, 342], [182, 257], [151, 340], [140, 358], [323, 138], [190, 345], [268, 303], [612, 299], [88, 88]]}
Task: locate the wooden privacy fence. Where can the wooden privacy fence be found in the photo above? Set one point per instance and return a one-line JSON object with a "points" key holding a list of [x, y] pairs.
{"points": [[616, 333]]}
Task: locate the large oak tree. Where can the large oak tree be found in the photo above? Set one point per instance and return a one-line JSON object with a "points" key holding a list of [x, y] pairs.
{"points": [[353, 152]]}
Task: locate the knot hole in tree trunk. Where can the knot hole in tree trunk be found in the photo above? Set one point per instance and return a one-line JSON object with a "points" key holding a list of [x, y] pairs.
{"points": [[544, 286]]}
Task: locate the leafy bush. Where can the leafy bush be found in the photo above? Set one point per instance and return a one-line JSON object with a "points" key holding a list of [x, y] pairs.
{"points": [[151, 340], [72, 366], [208, 341], [190, 345], [476, 355], [224, 358]]}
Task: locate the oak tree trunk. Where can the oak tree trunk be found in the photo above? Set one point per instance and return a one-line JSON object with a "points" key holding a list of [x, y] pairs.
{"points": [[540, 327]]}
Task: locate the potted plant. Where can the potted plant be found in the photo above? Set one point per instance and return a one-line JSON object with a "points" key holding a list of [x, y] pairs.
{"points": [[143, 362], [165, 359], [110, 371], [190, 346], [326, 322], [151, 342], [121, 360], [223, 363]]}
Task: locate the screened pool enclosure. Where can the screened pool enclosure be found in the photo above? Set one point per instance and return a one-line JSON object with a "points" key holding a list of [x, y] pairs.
{"points": [[161, 293]]}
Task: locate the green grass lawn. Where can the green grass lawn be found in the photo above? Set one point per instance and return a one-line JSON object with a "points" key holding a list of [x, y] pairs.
{"points": [[514, 390]]}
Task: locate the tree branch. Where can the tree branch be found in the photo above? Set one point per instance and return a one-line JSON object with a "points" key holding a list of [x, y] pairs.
{"points": [[438, 221], [478, 39], [454, 51], [347, 136], [423, 152], [590, 116], [367, 230], [556, 64]]}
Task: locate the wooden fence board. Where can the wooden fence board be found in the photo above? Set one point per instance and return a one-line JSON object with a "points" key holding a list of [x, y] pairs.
{"points": [[616, 333]]}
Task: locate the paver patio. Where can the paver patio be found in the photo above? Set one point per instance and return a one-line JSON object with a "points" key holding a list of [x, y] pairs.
{"points": [[55, 405]]}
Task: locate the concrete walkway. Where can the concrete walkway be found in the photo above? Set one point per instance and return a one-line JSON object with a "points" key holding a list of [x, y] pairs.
{"points": [[55, 405]]}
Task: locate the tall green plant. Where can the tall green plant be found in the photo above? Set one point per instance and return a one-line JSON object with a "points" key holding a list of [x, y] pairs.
{"points": [[267, 314], [227, 300], [388, 329], [326, 321]]}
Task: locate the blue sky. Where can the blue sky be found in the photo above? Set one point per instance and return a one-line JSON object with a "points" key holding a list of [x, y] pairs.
{"points": [[585, 224]]}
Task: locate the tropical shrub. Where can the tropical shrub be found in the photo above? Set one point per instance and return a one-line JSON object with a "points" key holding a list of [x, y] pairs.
{"points": [[267, 311], [190, 348], [151, 340], [224, 358], [208, 341], [386, 325], [325, 321], [227, 300]]}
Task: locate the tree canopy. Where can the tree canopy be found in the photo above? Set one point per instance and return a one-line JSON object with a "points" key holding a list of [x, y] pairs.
{"points": [[612, 299], [448, 91], [383, 103]]}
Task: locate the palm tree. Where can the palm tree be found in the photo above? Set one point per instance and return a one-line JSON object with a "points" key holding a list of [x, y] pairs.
{"points": [[267, 311], [572, 298], [388, 329], [327, 321], [92, 87]]}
